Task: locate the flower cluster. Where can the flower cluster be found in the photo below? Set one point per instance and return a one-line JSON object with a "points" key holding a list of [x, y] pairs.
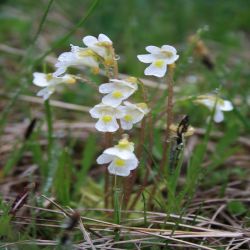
{"points": [[97, 51], [115, 111], [114, 107]]}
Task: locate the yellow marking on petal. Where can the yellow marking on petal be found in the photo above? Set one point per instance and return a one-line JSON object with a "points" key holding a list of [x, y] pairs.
{"points": [[159, 63], [49, 77], [124, 143], [104, 44], [142, 105], [168, 54], [128, 118], [131, 79], [86, 52], [107, 118], [119, 162], [117, 94]]}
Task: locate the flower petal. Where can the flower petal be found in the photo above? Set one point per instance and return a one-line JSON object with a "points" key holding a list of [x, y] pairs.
{"points": [[104, 158], [66, 57], [45, 93], [153, 49], [94, 112], [104, 38], [111, 126], [172, 59], [59, 71], [40, 79], [169, 48], [106, 88], [227, 106], [123, 154], [207, 102], [111, 101], [132, 164], [89, 40], [218, 116], [88, 61], [137, 116], [120, 171], [126, 125], [146, 58], [152, 70]]}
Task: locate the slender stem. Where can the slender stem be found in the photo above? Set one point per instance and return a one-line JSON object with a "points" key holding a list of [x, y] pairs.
{"points": [[108, 142], [169, 111], [169, 121], [109, 136], [129, 182], [49, 127], [150, 150], [52, 159], [117, 208], [106, 188]]}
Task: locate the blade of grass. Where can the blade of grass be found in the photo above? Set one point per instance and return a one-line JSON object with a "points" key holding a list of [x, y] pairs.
{"points": [[42, 22], [87, 160], [49, 122], [37, 154], [14, 157], [23, 85], [62, 178], [52, 168], [70, 33]]}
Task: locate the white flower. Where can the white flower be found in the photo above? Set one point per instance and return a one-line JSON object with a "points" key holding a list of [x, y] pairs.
{"points": [[77, 57], [107, 116], [221, 105], [117, 91], [50, 83], [100, 46], [132, 114], [159, 59], [121, 158]]}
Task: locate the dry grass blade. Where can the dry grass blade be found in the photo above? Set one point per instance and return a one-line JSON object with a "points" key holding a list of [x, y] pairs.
{"points": [[86, 235], [178, 240], [54, 103], [237, 246]]}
